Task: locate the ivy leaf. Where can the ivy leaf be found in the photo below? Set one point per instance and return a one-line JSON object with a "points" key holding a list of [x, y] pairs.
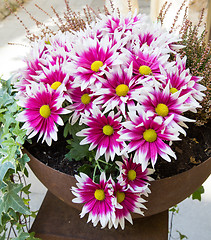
{"points": [[26, 189], [3, 237], [197, 194], [23, 160], [23, 236], [13, 107], [12, 200], [174, 209], [4, 168], [9, 119], [1, 210], [2, 185], [182, 236], [19, 133]]}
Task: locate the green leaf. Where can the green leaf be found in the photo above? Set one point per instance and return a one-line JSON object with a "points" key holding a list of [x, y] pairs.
{"points": [[182, 236], [1, 210], [23, 236], [174, 209], [4, 168], [197, 194], [77, 151], [2, 185], [12, 200], [75, 129], [23, 160], [67, 129], [86, 168], [3, 237], [9, 154], [3, 110], [26, 189], [20, 133], [13, 107]]}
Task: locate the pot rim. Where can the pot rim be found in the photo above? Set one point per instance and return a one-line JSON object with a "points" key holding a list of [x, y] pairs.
{"points": [[157, 180]]}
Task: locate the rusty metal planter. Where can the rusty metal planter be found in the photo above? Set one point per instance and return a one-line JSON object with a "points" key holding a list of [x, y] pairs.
{"points": [[165, 192]]}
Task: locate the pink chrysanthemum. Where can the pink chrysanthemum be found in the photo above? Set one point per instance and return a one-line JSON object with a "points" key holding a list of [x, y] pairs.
{"points": [[43, 107], [161, 102], [98, 198], [82, 103], [182, 83], [90, 58], [102, 132], [147, 62], [43, 54], [119, 90], [132, 176], [124, 25], [181, 80], [146, 136], [35, 59], [58, 47], [57, 76], [126, 202]]}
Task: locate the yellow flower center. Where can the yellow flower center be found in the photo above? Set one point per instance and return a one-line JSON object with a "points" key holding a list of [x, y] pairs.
{"points": [[120, 197], [162, 110], [173, 90], [48, 42], [150, 135], [145, 70], [85, 99], [99, 194], [45, 111], [122, 90], [55, 85], [131, 175], [96, 66], [108, 130]]}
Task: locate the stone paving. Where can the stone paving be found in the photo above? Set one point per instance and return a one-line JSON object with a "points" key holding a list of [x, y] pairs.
{"points": [[194, 218]]}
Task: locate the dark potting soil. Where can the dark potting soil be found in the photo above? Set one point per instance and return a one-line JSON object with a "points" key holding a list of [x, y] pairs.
{"points": [[190, 151]]}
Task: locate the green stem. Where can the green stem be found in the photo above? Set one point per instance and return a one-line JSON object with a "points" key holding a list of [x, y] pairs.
{"points": [[98, 165], [105, 162], [94, 172]]}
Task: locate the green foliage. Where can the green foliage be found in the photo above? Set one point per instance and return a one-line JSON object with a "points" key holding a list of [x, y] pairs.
{"points": [[174, 209], [14, 193], [77, 151], [182, 236], [86, 168], [197, 194]]}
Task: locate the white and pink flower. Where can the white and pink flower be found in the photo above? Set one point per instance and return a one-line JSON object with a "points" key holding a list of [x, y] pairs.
{"points": [[82, 103], [43, 108], [119, 90], [90, 58], [147, 136], [126, 202], [102, 133], [96, 197], [133, 177]]}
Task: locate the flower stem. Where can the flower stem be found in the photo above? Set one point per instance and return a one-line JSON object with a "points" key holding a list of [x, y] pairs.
{"points": [[104, 162], [94, 172]]}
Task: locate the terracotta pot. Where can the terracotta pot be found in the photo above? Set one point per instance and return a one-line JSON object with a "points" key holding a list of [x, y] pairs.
{"points": [[165, 192]]}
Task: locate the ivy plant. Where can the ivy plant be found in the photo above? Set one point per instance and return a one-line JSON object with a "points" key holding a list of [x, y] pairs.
{"points": [[15, 213]]}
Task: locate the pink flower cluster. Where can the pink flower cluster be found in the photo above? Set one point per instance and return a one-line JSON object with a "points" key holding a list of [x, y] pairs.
{"points": [[111, 203], [118, 81]]}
